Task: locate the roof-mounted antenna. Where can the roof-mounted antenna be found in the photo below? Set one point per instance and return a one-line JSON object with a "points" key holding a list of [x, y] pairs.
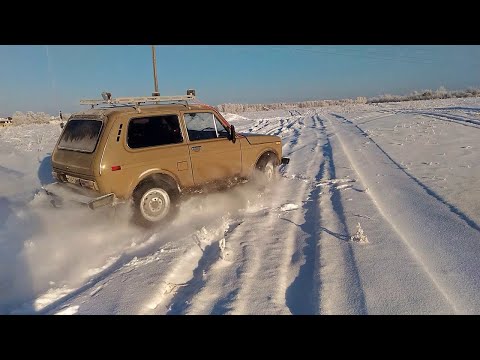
{"points": [[154, 62]]}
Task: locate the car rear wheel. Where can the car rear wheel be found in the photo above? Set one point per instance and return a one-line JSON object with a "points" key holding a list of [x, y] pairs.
{"points": [[154, 203]]}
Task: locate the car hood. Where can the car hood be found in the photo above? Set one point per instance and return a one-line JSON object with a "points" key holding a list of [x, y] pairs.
{"points": [[255, 139]]}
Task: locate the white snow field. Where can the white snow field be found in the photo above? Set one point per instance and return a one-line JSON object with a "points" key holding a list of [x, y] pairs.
{"points": [[378, 212]]}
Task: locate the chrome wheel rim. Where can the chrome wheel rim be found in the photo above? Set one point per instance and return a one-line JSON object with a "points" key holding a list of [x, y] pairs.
{"points": [[155, 204]]}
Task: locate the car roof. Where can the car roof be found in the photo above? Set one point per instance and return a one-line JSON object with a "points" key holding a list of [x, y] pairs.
{"points": [[112, 112]]}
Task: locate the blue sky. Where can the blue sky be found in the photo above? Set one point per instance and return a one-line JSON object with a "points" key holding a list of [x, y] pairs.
{"points": [[55, 77]]}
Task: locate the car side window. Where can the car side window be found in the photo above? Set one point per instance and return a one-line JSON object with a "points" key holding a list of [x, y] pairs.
{"points": [[154, 131], [204, 126], [221, 129]]}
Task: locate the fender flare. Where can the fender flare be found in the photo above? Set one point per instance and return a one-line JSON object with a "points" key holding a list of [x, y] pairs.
{"points": [[268, 153], [154, 175]]}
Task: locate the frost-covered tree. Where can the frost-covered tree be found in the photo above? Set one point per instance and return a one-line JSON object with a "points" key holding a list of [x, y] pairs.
{"points": [[440, 93], [30, 117]]}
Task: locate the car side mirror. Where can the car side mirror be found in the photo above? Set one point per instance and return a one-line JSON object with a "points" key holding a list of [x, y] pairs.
{"points": [[61, 125], [232, 134]]}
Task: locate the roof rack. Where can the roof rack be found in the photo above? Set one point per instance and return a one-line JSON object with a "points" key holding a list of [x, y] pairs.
{"points": [[137, 101]]}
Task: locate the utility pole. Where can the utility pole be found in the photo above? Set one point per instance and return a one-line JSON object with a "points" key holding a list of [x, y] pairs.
{"points": [[154, 61]]}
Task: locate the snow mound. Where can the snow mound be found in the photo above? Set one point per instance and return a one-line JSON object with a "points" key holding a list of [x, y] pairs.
{"points": [[71, 310], [359, 236], [288, 207]]}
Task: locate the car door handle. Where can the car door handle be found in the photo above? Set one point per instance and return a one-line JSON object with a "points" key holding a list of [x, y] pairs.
{"points": [[196, 148]]}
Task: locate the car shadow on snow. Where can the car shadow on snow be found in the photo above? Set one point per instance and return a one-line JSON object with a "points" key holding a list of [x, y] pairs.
{"points": [[44, 172]]}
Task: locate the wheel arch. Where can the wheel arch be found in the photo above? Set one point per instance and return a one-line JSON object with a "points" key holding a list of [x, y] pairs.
{"points": [[265, 156], [155, 176]]}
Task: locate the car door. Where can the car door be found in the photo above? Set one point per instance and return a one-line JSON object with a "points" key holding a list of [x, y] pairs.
{"points": [[154, 142], [213, 156]]}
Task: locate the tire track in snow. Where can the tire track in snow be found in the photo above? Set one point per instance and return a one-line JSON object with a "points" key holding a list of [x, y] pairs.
{"points": [[340, 290], [258, 250], [261, 259], [452, 208], [220, 288], [297, 274], [358, 171], [272, 263], [186, 273], [328, 281], [270, 126], [297, 246], [451, 118], [186, 297], [300, 296], [446, 117], [446, 247], [393, 282]]}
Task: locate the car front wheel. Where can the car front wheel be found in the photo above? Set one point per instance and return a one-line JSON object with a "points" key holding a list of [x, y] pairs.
{"points": [[266, 171]]}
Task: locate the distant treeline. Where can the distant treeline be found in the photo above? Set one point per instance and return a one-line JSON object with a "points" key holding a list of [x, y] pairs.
{"points": [[236, 108], [440, 93], [31, 117]]}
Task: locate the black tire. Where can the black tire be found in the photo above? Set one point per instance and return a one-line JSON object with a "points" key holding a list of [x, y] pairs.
{"points": [[154, 203]]}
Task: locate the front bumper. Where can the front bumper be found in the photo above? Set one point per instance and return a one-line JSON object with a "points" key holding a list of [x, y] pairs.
{"points": [[62, 192], [285, 161]]}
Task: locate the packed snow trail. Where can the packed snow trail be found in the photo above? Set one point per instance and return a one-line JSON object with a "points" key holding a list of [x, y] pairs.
{"points": [[443, 242]]}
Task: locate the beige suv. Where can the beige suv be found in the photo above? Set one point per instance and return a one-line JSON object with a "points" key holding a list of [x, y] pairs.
{"points": [[147, 151]]}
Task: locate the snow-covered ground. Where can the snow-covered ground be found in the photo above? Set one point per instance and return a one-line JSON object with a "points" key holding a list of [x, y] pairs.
{"points": [[377, 213]]}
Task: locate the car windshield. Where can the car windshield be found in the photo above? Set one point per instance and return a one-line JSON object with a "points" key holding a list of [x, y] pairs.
{"points": [[81, 135]]}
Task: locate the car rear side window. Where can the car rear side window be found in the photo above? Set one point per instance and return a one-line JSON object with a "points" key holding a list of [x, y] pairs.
{"points": [[154, 131], [81, 135]]}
